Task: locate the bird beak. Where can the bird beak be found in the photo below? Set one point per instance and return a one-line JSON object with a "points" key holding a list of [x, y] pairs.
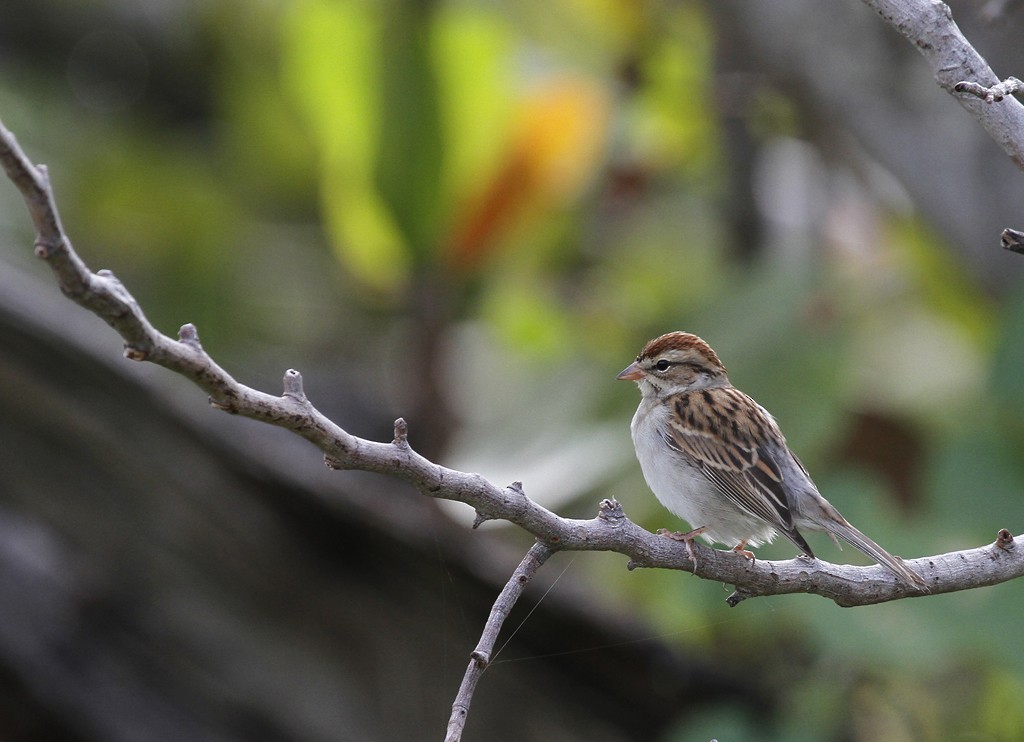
{"points": [[632, 372]]}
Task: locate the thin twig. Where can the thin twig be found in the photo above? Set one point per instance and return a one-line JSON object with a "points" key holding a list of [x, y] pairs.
{"points": [[994, 94], [1012, 240], [482, 655]]}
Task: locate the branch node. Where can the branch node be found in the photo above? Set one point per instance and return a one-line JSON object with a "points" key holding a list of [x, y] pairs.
{"points": [[135, 354], [228, 407], [994, 94], [481, 518], [1004, 540], [517, 488], [610, 509], [293, 385], [189, 335], [114, 282], [736, 598], [334, 463], [401, 433], [480, 658], [1012, 240]]}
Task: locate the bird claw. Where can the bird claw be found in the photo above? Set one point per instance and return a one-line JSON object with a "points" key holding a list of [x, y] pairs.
{"points": [[745, 553], [687, 539], [687, 536]]}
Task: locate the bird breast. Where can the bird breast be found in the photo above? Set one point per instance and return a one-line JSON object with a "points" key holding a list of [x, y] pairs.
{"points": [[682, 487]]}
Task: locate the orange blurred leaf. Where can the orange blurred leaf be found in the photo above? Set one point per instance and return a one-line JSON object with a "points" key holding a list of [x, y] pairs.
{"points": [[556, 143]]}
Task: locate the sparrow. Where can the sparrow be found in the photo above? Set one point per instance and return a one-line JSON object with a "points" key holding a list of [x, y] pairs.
{"points": [[717, 459]]}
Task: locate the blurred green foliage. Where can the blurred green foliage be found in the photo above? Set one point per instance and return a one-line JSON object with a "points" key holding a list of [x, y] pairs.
{"points": [[533, 190]]}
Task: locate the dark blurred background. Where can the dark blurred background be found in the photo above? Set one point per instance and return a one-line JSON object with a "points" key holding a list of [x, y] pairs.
{"points": [[473, 215]]}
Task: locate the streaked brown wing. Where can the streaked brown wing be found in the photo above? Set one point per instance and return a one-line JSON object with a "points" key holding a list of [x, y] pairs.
{"points": [[731, 438]]}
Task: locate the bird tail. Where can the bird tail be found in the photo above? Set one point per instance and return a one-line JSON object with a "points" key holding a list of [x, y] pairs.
{"points": [[855, 538]]}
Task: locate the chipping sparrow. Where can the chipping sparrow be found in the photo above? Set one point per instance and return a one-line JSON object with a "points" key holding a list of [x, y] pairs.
{"points": [[717, 459]]}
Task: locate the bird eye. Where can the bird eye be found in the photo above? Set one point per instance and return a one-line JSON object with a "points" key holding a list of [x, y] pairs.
{"points": [[662, 365]]}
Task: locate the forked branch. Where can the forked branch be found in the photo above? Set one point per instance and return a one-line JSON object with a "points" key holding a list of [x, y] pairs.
{"points": [[610, 530]]}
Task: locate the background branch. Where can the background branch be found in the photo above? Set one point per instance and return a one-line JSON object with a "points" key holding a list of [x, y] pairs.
{"points": [[929, 26]]}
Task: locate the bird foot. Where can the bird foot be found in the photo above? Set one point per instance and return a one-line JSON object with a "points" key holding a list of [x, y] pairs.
{"points": [[741, 549], [681, 535], [687, 539]]}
